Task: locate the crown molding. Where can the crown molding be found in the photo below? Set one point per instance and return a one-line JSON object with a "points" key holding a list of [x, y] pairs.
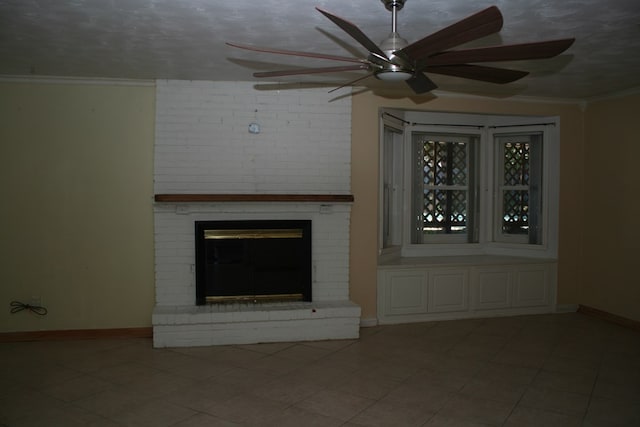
{"points": [[518, 98], [615, 95], [75, 80]]}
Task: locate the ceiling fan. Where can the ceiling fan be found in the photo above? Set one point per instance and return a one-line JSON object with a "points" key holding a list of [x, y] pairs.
{"points": [[394, 59]]}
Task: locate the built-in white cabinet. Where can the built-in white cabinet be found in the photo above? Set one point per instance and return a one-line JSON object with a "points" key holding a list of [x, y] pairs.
{"points": [[449, 288]]}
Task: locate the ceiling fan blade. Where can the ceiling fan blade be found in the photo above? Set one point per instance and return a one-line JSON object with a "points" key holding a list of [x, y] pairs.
{"points": [[298, 71], [514, 52], [420, 83], [351, 82], [354, 32], [296, 53], [481, 24], [479, 72]]}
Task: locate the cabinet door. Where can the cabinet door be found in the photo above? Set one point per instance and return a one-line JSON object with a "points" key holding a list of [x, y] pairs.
{"points": [[448, 290], [531, 286], [492, 287], [405, 292]]}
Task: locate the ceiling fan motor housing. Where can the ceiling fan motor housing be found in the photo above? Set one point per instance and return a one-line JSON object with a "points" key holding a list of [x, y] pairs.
{"points": [[395, 64]]}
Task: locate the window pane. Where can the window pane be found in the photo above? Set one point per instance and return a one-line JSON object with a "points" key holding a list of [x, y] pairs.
{"points": [[391, 177], [515, 205], [445, 211], [387, 174], [515, 198], [516, 163], [443, 187]]}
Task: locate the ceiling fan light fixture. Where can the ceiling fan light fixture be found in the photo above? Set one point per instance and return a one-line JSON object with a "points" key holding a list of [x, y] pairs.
{"points": [[394, 76]]}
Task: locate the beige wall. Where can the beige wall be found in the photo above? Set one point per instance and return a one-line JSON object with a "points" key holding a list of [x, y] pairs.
{"points": [[365, 184], [76, 215], [612, 207]]}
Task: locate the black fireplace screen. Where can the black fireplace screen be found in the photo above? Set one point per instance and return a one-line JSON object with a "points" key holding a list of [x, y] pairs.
{"points": [[253, 261]]}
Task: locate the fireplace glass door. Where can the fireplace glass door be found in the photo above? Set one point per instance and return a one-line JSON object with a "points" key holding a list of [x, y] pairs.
{"points": [[251, 261]]}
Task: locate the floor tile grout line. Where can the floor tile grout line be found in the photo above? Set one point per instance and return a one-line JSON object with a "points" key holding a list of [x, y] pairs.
{"points": [[539, 370], [595, 383], [517, 403]]}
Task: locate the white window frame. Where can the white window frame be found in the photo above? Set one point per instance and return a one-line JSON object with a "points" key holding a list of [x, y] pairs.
{"points": [[487, 126], [391, 185], [452, 134], [500, 244], [514, 136]]}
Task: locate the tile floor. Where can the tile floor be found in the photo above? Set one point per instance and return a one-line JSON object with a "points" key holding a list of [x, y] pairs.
{"points": [[547, 370]]}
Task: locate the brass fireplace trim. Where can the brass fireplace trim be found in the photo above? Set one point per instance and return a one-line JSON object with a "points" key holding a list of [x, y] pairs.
{"points": [[254, 298], [277, 233]]}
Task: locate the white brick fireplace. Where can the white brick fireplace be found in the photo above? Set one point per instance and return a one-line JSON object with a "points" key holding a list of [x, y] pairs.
{"points": [[209, 167]]}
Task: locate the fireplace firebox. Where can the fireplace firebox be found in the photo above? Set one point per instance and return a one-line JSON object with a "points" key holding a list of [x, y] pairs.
{"points": [[252, 261]]}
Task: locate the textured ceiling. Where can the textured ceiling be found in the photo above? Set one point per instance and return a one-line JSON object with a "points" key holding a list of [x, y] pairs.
{"points": [[184, 39]]}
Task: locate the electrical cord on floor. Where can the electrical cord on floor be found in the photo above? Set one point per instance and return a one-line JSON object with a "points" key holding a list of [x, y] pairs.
{"points": [[17, 306]]}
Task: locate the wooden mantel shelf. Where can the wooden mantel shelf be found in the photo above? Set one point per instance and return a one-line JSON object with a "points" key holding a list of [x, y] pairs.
{"points": [[191, 198]]}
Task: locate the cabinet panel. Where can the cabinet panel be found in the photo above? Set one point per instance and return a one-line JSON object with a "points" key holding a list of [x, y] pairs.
{"points": [[448, 290], [492, 288], [425, 293], [531, 287], [405, 292]]}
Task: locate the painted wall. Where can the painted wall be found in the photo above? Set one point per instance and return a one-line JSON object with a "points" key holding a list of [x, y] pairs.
{"points": [[612, 207], [76, 219], [364, 221]]}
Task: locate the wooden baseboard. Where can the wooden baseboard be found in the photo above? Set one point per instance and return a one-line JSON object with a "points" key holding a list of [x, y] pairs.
{"points": [[76, 334], [613, 318]]}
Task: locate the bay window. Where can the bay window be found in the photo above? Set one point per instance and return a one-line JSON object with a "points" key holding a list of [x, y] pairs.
{"points": [[464, 184]]}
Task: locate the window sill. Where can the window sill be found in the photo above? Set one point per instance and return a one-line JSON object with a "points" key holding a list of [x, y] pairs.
{"points": [[459, 261], [489, 249]]}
